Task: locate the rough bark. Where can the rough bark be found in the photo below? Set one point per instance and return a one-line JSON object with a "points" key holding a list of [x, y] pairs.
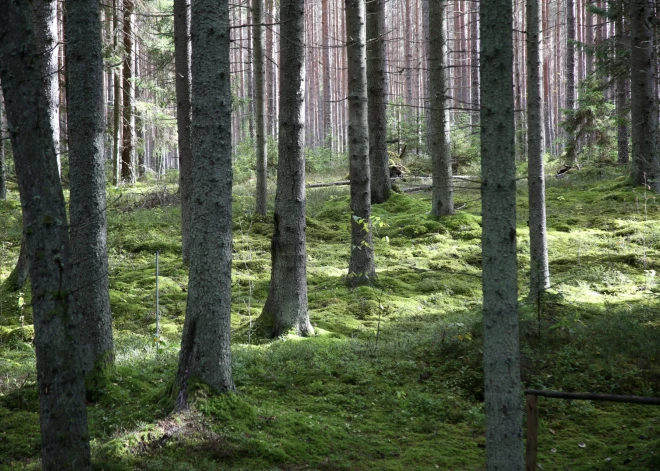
{"points": [[286, 305], [504, 439], [443, 194], [117, 72], [259, 103], [327, 105], [128, 95], [205, 346], [182, 83], [539, 278], [474, 62], [3, 168], [621, 97], [379, 161], [62, 412], [45, 17], [361, 268], [87, 203], [571, 156], [644, 110]]}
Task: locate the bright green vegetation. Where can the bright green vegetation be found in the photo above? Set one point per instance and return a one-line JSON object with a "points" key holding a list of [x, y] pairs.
{"points": [[393, 379]]}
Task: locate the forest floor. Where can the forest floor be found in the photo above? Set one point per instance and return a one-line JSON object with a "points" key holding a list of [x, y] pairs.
{"points": [[393, 379]]}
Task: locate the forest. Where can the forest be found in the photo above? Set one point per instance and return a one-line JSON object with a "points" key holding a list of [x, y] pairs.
{"points": [[359, 235]]}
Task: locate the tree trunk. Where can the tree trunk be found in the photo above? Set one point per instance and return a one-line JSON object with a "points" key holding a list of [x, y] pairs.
{"points": [[87, 203], [128, 117], [539, 278], [379, 160], [3, 167], [474, 62], [443, 194], [62, 412], [327, 106], [45, 17], [259, 102], [286, 305], [571, 156], [644, 110], [205, 346], [182, 67], [361, 268], [117, 72], [504, 439], [621, 94]]}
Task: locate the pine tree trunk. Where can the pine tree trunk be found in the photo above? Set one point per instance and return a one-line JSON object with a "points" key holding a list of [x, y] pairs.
{"points": [[539, 278], [117, 72], [128, 117], [327, 106], [644, 109], [571, 155], [182, 67], [62, 411], [474, 62], [286, 305], [443, 195], [87, 204], [504, 439], [361, 268], [205, 346], [379, 160], [621, 95], [259, 103], [3, 167]]}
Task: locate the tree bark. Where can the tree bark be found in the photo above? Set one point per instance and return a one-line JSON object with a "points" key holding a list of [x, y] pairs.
{"points": [[259, 103], [539, 278], [45, 17], [117, 72], [361, 268], [286, 305], [182, 83], [571, 157], [327, 105], [504, 439], [62, 412], [205, 346], [644, 110], [443, 194], [379, 161], [621, 95], [87, 203], [128, 117], [3, 168]]}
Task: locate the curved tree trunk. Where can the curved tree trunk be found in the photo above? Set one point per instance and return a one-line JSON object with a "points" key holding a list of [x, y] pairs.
{"points": [[443, 194], [19, 275], [361, 268], [539, 278], [286, 305], [644, 109], [205, 350], [62, 411], [182, 67], [87, 203], [379, 161], [259, 102], [503, 405]]}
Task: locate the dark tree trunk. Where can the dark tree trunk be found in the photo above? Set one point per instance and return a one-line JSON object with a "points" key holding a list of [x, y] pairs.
{"points": [[327, 106], [361, 268], [205, 349], [381, 184], [443, 195], [259, 102], [571, 156], [621, 95], [286, 305], [182, 67], [644, 109], [87, 203], [539, 278], [63, 416], [503, 405], [128, 117], [117, 72], [3, 168]]}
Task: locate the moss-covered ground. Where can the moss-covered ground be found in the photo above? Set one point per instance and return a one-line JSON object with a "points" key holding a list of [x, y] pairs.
{"points": [[392, 380]]}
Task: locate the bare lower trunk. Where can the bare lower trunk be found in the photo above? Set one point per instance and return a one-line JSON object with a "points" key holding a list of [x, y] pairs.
{"points": [[87, 204], [621, 98], [443, 195], [62, 411], [205, 346], [182, 66], [361, 268], [503, 405], [381, 184], [128, 117], [259, 102], [539, 278]]}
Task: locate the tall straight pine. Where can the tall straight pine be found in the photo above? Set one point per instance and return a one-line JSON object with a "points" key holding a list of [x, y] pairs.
{"points": [[504, 440]]}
